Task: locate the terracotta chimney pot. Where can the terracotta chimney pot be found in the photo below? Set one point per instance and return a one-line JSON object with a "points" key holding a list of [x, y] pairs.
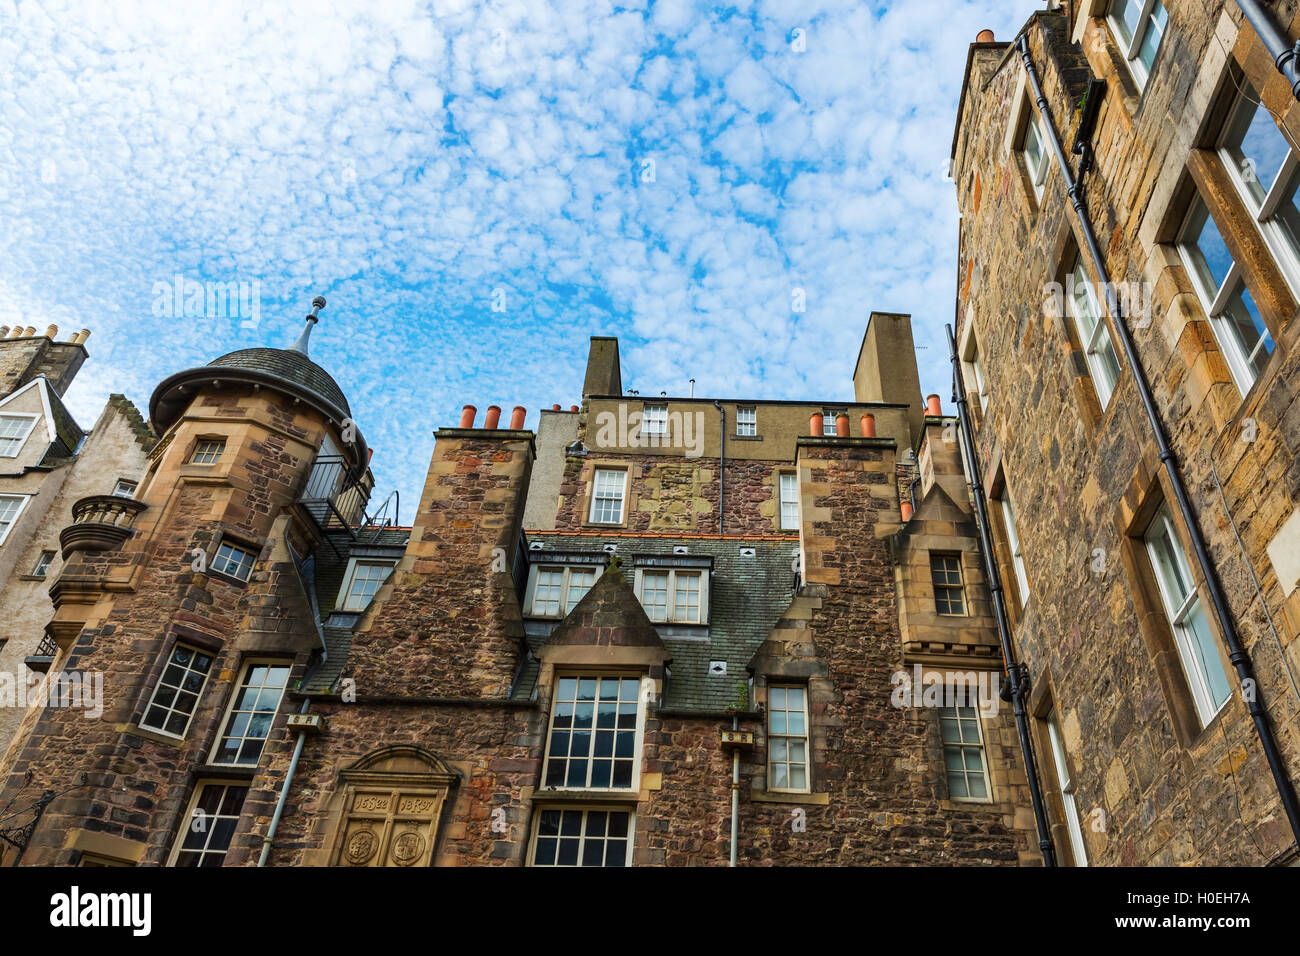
{"points": [[517, 417], [907, 511], [933, 405], [493, 417], [984, 36], [868, 426], [842, 425], [467, 416]]}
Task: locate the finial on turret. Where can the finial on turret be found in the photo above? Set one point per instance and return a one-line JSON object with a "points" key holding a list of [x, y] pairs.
{"points": [[317, 304]]}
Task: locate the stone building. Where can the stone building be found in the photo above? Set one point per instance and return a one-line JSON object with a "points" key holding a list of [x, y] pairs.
{"points": [[47, 464], [1158, 680], [592, 640]]}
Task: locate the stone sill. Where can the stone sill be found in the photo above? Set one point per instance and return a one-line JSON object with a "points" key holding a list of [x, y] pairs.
{"points": [[32, 577], [747, 437], [152, 735], [814, 799], [542, 795]]}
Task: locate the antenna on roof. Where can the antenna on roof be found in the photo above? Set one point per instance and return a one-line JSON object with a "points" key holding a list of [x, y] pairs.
{"points": [[317, 304]]}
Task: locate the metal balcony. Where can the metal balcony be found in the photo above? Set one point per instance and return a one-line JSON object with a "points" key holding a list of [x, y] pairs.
{"points": [[334, 503], [42, 659]]}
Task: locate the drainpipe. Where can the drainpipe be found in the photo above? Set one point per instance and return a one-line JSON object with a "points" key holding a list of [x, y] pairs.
{"points": [[284, 792], [1285, 56], [1241, 661], [722, 462], [1014, 672], [735, 794]]}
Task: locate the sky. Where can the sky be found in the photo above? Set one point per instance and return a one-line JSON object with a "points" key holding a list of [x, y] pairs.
{"points": [[478, 188]]}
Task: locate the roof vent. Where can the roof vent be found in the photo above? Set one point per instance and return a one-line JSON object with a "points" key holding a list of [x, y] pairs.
{"points": [[534, 546], [717, 668], [609, 548], [680, 549], [748, 552]]}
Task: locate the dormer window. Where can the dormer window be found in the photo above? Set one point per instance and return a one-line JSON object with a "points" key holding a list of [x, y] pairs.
{"points": [[364, 579], [674, 595], [14, 430], [555, 590]]}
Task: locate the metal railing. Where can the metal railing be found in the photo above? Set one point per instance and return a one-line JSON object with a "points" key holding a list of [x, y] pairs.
{"points": [[335, 502]]}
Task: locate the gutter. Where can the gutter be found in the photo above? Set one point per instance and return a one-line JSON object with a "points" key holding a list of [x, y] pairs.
{"points": [[1237, 654], [1015, 673]]}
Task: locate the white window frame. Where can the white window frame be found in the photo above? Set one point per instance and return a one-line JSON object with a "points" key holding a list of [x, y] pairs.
{"points": [[638, 734], [596, 498], [227, 715], [746, 421], [1104, 380], [962, 745], [171, 709], [22, 506], [231, 545], [828, 421], [43, 563], [970, 356], [187, 821], [1133, 47], [654, 418], [585, 810], [203, 449], [131, 487], [805, 738], [670, 608], [1037, 171], [1178, 610], [1065, 783], [344, 600], [788, 481], [1215, 301], [566, 581], [1283, 247], [1011, 525], [20, 439]]}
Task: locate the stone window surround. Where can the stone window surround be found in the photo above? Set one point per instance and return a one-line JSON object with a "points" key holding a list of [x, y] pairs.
{"points": [[17, 515], [236, 687], [176, 634], [990, 796], [200, 439], [1147, 491], [589, 469], [994, 484], [1042, 706], [968, 350], [1023, 110], [778, 475], [583, 807], [577, 661], [251, 545], [813, 676], [196, 791]]}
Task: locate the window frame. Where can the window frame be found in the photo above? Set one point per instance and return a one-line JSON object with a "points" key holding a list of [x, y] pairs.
{"points": [[22, 506], [585, 809], [134, 486], [170, 709], [1015, 547], [598, 674], [970, 357], [1066, 787], [963, 745], [535, 571], [805, 737], [1264, 212], [200, 451], [31, 419], [828, 421], [670, 607], [791, 479], [1190, 654], [187, 820], [1215, 302], [1104, 382], [227, 716], [659, 419], [349, 578], [747, 428], [1131, 48], [960, 586], [234, 546], [42, 567], [595, 495], [1037, 174]]}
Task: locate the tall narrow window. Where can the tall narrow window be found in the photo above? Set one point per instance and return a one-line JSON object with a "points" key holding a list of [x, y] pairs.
{"points": [[686, 597], [1035, 152], [746, 421], [11, 506], [1065, 783], [207, 829], [945, 574], [828, 421], [43, 564], [789, 501], [208, 451], [654, 420], [593, 738], [607, 496], [654, 594], [1196, 647], [177, 694], [1093, 334], [1238, 325], [1266, 169], [1012, 525], [14, 430], [252, 709], [963, 753], [1139, 26], [578, 837], [787, 738]]}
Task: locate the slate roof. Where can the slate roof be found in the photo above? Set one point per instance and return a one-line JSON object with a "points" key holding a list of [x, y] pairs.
{"points": [[747, 597], [290, 366]]}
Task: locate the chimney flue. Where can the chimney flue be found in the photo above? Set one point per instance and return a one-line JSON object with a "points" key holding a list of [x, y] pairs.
{"points": [[985, 36], [517, 417], [933, 406], [467, 416], [493, 417]]}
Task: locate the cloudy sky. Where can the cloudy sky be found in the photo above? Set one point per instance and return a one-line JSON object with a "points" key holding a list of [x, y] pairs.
{"points": [[477, 188]]}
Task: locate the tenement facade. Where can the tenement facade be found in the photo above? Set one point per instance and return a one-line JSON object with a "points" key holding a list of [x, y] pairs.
{"points": [[1119, 347], [655, 632]]}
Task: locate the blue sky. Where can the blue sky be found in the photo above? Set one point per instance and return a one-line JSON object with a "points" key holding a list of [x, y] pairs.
{"points": [[478, 188]]}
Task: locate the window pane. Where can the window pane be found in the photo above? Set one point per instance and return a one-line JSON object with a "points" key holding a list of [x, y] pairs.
{"points": [[1127, 13], [1211, 666], [1257, 146], [1209, 253], [1252, 336], [1155, 31]]}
